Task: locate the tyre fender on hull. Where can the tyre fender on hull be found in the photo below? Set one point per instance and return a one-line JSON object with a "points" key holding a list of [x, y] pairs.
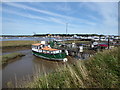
{"points": [[65, 60]]}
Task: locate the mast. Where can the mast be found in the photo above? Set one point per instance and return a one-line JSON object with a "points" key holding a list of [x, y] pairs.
{"points": [[66, 28]]}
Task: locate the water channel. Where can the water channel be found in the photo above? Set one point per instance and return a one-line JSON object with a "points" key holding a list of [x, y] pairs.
{"points": [[26, 65]]}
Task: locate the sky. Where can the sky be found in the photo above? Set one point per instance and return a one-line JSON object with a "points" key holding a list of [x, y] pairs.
{"points": [[27, 18]]}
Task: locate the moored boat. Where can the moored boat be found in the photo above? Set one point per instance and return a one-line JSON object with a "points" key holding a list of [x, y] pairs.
{"points": [[46, 52]]}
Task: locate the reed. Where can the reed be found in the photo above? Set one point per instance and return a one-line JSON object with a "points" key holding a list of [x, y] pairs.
{"points": [[99, 71], [9, 57]]}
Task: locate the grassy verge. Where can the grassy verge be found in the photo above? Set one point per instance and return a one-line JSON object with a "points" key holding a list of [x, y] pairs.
{"points": [[16, 43], [104, 69], [100, 71], [28, 43], [9, 57]]}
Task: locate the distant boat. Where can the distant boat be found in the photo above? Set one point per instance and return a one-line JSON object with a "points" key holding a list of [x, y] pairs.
{"points": [[45, 51], [58, 40], [103, 44]]}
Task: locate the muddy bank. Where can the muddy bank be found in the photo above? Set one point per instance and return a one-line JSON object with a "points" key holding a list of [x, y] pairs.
{"points": [[26, 65], [15, 48], [16, 45], [10, 58]]}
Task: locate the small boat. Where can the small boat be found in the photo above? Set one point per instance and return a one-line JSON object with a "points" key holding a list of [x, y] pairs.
{"points": [[45, 51]]}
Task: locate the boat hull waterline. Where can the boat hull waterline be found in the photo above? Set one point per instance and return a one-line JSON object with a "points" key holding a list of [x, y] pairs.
{"points": [[41, 55]]}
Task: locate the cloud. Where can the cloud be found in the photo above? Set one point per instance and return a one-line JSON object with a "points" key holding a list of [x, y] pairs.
{"points": [[56, 20], [24, 15], [109, 13], [63, 7], [106, 10], [28, 15], [107, 18], [52, 14], [34, 9], [49, 19], [60, 0]]}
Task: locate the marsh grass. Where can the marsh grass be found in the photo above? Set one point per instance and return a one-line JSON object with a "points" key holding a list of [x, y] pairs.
{"points": [[104, 68], [99, 71], [16, 43], [9, 57]]}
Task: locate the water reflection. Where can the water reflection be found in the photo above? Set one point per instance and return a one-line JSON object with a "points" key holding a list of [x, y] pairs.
{"points": [[27, 65]]}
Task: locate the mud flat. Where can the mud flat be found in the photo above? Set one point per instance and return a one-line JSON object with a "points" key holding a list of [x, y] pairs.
{"points": [[15, 45], [9, 58]]}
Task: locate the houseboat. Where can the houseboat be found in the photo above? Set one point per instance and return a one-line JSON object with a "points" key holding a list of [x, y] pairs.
{"points": [[45, 51]]}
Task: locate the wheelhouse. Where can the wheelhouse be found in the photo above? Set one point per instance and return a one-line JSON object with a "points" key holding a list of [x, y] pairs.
{"points": [[44, 49]]}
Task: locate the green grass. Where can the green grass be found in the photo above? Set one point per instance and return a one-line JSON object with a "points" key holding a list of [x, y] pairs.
{"points": [[100, 71], [104, 68], [16, 43], [28, 43], [9, 57]]}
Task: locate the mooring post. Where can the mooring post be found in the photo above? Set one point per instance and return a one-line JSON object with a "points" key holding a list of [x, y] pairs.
{"points": [[108, 42]]}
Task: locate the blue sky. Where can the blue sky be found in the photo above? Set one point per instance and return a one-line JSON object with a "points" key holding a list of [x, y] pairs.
{"points": [[51, 17]]}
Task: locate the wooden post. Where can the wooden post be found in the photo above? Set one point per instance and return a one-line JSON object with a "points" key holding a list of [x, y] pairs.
{"points": [[108, 42]]}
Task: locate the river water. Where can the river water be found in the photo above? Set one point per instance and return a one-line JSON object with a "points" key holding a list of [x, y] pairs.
{"points": [[26, 65], [31, 38], [25, 38]]}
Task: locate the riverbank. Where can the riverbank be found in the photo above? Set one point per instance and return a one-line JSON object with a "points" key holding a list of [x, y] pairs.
{"points": [[22, 45], [9, 58], [16, 45], [99, 71]]}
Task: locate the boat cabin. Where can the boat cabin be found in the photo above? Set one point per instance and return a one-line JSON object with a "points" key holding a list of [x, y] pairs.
{"points": [[37, 46], [49, 50], [42, 48]]}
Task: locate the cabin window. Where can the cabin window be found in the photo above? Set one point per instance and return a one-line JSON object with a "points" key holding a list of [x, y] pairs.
{"points": [[60, 51], [40, 50], [43, 45], [44, 51], [57, 51], [48, 52], [54, 52], [63, 50], [37, 47]]}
